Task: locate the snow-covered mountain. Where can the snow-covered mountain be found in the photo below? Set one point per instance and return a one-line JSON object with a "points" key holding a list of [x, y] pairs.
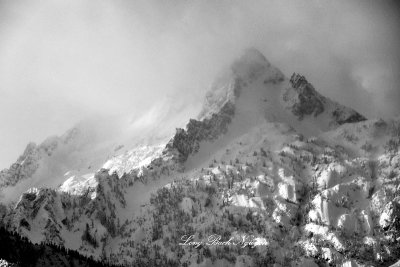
{"points": [[269, 161]]}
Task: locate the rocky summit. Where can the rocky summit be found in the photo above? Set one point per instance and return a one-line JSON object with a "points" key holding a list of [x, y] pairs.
{"points": [[271, 173]]}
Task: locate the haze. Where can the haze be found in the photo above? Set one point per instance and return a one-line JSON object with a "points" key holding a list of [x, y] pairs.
{"points": [[65, 61]]}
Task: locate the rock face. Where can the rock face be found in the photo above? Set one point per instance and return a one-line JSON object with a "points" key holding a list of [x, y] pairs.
{"points": [[302, 99], [308, 101], [188, 141], [389, 220], [29, 162], [267, 157], [24, 168], [341, 117]]}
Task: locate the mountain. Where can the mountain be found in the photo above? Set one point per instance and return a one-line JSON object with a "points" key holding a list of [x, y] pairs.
{"points": [[72, 159], [270, 172]]}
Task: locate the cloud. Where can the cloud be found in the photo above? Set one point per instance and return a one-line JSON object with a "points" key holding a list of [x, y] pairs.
{"points": [[62, 61]]}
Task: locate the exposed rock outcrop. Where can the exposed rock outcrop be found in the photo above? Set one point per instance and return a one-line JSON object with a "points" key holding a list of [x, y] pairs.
{"points": [[303, 100], [188, 141]]}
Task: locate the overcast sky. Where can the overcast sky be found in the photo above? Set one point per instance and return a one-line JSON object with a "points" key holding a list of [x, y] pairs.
{"points": [[63, 61]]}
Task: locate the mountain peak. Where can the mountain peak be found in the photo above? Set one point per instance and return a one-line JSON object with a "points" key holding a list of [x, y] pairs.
{"points": [[245, 70], [258, 91], [250, 65], [254, 55]]}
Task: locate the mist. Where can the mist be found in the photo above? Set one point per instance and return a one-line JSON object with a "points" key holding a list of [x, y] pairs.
{"points": [[65, 61]]}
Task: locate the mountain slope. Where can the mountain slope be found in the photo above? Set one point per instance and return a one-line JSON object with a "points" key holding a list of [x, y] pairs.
{"points": [[292, 176], [119, 143]]}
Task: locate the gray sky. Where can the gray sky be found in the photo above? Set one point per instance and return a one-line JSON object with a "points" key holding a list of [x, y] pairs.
{"points": [[63, 61]]}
